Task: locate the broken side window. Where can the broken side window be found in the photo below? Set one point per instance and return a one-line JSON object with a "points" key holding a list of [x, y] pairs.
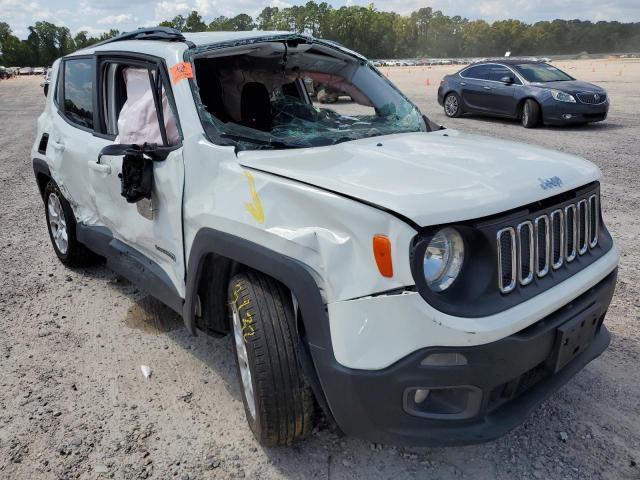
{"points": [[129, 107]]}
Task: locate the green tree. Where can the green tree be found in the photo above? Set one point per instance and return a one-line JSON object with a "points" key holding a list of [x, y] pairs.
{"points": [[375, 33], [178, 22], [9, 46], [194, 23]]}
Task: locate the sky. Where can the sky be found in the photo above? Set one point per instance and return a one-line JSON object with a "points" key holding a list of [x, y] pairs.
{"points": [[100, 15]]}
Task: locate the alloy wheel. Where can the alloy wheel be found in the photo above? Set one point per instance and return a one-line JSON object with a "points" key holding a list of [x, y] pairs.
{"points": [[451, 105], [58, 224], [243, 361]]}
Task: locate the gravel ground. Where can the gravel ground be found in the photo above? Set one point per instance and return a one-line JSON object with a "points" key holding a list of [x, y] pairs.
{"points": [[74, 404]]}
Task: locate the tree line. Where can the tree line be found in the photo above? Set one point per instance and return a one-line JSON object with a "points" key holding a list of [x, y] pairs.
{"points": [[372, 32]]}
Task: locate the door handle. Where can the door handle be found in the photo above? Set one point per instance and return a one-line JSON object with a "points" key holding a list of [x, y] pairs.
{"points": [[487, 87], [100, 167], [463, 83], [58, 146]]}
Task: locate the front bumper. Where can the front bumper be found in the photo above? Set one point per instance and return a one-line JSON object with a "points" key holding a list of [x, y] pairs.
{"points": [[554, 112], [512, 376]]}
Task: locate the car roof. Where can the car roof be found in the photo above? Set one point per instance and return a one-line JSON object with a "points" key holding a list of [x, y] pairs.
{"points": [[508, 61], [162, 40], [207, 38]]}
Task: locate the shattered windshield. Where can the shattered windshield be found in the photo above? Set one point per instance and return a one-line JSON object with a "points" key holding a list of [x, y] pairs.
{"points": [[282, 96]]}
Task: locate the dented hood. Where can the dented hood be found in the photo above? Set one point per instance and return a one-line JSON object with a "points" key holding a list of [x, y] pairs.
{"points": [[431, 178]]}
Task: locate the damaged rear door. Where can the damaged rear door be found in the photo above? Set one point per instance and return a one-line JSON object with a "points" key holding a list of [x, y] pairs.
{"points": [[138, 179], [71, 140]]}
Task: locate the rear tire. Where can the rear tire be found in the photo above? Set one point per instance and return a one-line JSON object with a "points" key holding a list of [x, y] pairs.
{"points": [[278, 402], [452, 105], [530, 114], [61, 225]]}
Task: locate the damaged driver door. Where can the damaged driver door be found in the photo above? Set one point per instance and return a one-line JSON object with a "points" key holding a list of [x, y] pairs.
{"points": [[138, 179]]}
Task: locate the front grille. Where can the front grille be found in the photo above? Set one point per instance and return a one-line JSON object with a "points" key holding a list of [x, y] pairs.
{"points": [[507, 259], [592, 98], [535, 247]]}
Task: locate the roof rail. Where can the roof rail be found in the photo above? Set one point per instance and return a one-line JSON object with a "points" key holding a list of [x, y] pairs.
{"points": [[166, 34]]}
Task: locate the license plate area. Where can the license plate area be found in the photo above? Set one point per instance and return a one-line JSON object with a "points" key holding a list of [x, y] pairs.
{"points": [[573, 337]]}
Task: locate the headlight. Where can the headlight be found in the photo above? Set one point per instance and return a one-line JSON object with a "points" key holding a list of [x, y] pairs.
{"points": [[443, 259], [562, 96]]}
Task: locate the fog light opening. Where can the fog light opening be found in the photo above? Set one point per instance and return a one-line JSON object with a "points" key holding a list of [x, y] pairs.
{"points": [[567, 116], [446, 403]]}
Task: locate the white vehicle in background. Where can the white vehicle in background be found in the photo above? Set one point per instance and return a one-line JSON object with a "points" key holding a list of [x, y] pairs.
{"points": [[25, 71], [417, 284], [46, 81], [38, 71]]}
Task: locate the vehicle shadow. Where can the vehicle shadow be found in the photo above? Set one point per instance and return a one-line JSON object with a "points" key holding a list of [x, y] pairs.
{"points": [[586, 127]]}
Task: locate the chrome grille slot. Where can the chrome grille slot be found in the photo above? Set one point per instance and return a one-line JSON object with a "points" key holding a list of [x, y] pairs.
{"points": [[506, 245], [545, 244], [594, 220], [583, 226], [571, 234], [525, 253], [557, 238], [542, 245]]}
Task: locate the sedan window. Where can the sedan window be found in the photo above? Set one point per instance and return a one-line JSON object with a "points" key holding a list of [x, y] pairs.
{"points": [[498, 72], [542, 72], [478, 72]]}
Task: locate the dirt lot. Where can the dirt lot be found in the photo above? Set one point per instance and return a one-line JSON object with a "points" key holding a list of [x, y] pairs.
{"points": [[73, 403]]}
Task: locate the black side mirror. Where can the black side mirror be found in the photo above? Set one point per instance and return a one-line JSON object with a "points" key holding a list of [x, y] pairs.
{"points": [[46, 89], [507, 80]]}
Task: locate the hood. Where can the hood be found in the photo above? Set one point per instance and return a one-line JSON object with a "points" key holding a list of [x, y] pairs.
{"points": [[571, 86], [431, 178]]}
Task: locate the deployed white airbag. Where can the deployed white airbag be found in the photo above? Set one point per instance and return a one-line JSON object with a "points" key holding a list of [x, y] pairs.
{"points": [[138, 121]]}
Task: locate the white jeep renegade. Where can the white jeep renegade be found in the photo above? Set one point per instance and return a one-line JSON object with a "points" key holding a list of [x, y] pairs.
{"points": [[415, 284]]}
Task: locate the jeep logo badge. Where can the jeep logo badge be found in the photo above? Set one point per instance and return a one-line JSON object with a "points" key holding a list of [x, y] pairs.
{"points": [[552, 182]]}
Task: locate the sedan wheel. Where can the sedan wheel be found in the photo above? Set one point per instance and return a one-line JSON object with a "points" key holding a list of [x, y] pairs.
{"points": [[530, 114], [452, 105]]}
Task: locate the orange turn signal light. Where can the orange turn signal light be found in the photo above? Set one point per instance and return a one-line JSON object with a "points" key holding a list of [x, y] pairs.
{"points": [[382, 254]]}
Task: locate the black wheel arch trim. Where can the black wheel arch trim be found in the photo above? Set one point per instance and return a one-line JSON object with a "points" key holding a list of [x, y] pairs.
{"points": [[291, 273], [40, 167]]}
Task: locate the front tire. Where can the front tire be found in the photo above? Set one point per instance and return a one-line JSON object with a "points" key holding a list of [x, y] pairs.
{"points": [[278, 402], [61, 225], [452, 105], [530, 114]]}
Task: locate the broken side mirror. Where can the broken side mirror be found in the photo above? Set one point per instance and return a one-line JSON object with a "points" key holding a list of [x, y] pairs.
{"points": [[137, 167], [136, 178]]}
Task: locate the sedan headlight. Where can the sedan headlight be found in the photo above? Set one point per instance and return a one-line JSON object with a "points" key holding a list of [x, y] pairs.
{"points": [[562, 96], [443, 259]]}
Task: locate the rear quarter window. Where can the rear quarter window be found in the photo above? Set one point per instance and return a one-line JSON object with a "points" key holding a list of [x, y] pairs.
{"points": [[77, 104]]}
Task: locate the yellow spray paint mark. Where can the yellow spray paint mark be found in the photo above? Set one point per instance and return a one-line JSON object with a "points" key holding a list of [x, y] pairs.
{"points": [[255, 206], [248, 328]]}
